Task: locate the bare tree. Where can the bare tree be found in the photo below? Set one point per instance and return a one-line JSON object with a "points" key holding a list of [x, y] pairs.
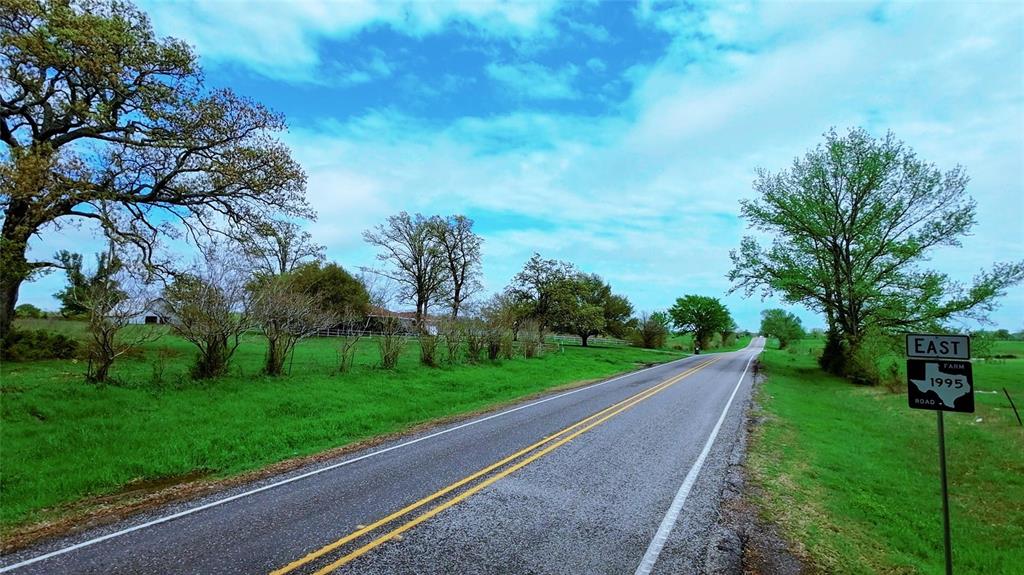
{"points": [[210, 307], [416, 262], [276, 248], [356, 325], [113, 300], [94, 107], [286, 315], [461, 250]]}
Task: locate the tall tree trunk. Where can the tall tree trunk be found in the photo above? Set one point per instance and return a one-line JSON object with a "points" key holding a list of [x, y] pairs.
{"points": [[421, 314], [14, 266], [583, 339], [9, 287]]}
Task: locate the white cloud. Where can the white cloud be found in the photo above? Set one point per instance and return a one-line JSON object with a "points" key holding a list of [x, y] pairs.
{"points": [[532, 80], [648, 197], [280, 39]]}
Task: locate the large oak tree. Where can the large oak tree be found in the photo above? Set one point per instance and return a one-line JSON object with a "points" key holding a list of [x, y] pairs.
{"points": [[101, 120], [851, 223], [703, 316]]}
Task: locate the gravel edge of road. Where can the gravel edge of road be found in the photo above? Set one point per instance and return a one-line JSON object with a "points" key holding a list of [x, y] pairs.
{"points": [[743, 542]]}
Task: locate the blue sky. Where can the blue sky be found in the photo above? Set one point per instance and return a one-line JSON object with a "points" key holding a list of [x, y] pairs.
{"points": [[615, 135]]}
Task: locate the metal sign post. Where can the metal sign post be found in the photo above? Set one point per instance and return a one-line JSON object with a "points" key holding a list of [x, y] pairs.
{"points": [[945, 497], [939, 378]]}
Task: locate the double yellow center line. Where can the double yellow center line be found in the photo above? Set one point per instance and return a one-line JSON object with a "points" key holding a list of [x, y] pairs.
{"points": [[549, 444]]}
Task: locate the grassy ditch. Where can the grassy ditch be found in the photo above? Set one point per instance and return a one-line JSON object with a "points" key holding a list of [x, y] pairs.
{"points": [[851, 473], [64, 440]]}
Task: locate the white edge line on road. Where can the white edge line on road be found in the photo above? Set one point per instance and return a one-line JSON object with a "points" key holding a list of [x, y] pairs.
{"points": [[669, 521], [206, 506]]}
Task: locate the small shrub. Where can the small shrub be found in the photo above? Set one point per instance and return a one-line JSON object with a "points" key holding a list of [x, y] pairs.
{"points": [[31, 345], [493, 344], [531, 342], [347, 352], [476, 341], [428, 350], [391, 346], [892, 380], [834, 357], [159, 365], [451, 331], [508, 346]]}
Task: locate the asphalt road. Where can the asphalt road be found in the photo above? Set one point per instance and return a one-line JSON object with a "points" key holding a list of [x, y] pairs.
{"points": [[578, 482]]}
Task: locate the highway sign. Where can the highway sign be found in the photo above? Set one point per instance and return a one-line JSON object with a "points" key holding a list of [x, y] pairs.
{"points": [[940, 385], [939, 346]]}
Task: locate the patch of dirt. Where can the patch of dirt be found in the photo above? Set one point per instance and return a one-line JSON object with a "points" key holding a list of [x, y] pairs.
{"points": [[146, 495], [745, 543]]}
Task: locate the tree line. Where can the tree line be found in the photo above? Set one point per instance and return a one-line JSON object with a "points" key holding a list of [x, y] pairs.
{"points": [[277, 282]]}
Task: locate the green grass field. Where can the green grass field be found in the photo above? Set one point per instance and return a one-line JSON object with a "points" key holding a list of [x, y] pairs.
{"points": [[851, 473], [64, 440]]}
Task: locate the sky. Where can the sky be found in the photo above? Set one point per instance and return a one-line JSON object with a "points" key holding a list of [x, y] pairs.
{"points": [[618, 136]]}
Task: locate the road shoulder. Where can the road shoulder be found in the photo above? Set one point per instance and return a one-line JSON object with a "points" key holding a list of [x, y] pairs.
{"points": [[744, 542]]}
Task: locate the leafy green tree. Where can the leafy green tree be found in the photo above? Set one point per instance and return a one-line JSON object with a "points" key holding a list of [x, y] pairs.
{"points": [[334, 289], [101, 120], [1002, 334], [539, 289], [585, 306], [618, 313], [77, 284], [702, 316], [853, 221], [27, 310], [782, 325], [575, 310]]}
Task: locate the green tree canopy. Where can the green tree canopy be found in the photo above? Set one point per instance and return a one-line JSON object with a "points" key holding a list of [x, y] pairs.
{"points": [[585, 306], [703, 316], [336, 290], [852, 223], [77, 284], [27, 310], [539, 288], [101, 120], [782, 325]]}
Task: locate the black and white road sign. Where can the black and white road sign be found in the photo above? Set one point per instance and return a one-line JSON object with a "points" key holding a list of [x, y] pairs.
{"points": [[939, 346], [940, 385]]}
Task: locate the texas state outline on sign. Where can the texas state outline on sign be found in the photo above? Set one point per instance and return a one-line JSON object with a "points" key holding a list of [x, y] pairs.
{"points": [[948, 395]]}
